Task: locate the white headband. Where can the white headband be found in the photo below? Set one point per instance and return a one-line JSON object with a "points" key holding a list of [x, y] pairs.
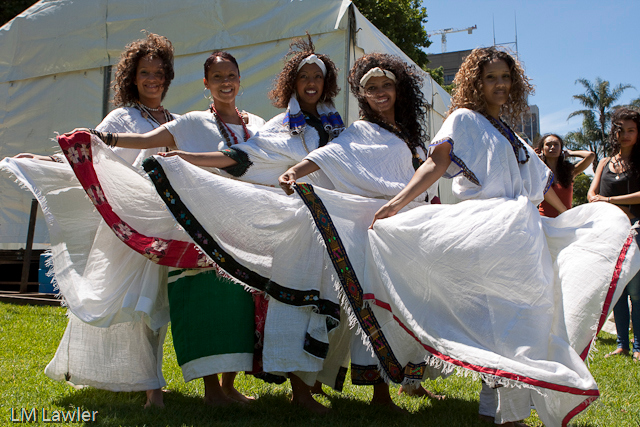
{"points": [[313, 59], [376, 72]]}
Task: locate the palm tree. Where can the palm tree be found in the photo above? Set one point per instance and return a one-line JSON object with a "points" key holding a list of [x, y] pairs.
{"points": [[588, 138], [598, 101]]}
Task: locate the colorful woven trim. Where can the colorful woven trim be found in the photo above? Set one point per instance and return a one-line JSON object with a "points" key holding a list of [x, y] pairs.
{"points": [[329, 116], [294, 118], [315, 347], [464, 169], [365, 375], [77, 148], [208, 244], [350, 284]]}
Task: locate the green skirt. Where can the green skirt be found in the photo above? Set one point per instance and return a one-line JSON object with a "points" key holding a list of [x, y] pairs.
{"points": [[212, 322]]}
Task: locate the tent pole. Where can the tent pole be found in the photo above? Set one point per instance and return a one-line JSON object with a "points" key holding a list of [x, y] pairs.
{"points": [[106, 89], [26, 260]]}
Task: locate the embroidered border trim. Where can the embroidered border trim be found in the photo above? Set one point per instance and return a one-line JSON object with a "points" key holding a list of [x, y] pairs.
{"points": [[365, 375], [208, 244], [241, 158], [342, 375], [468, 173], [315, 347], [349, 282]]}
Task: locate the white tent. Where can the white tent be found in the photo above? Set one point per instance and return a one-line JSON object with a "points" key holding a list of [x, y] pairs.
{"points": [[56, 58]]}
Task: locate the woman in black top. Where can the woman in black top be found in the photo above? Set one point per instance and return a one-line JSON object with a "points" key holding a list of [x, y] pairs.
{"points": [[617, 181]]}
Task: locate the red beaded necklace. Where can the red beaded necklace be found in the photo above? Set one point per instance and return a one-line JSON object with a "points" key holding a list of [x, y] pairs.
{"points": [[225, 130]]}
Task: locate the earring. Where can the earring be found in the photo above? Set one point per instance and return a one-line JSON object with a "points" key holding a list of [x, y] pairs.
{"points": [[205, 96], [241, 91]]}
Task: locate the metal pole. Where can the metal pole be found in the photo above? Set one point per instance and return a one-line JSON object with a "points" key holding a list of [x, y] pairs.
{"points": [[26, 261]]}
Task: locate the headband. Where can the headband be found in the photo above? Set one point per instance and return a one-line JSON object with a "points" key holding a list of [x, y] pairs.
{"points": [[376, 72], [313, 59]]}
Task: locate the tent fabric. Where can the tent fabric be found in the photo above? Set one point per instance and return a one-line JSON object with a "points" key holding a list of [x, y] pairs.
{"points": [[54, 56]]}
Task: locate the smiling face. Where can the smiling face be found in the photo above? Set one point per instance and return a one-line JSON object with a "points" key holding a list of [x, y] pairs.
{"points": [[150, 81], [380, 93], [496, 84], [552, 147], [628, 133], [223, 80], [309, 86]]}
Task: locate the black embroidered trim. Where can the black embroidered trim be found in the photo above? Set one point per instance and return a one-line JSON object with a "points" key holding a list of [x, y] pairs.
{"points": [[206, 242], [241, 158], [365, 375], [342, 375], [350, 284], [315, 347]]}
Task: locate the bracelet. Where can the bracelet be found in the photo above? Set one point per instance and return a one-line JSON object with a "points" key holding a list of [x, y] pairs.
{"points": [[608, 199], [111, 139]]}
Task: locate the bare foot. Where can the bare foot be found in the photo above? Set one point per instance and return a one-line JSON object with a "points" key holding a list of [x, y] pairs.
{"points": [[302, 397], [213, 394], [382, 397], [154, 398], [226, 383], [618, 352], [488, 419], [421, 392], [317, 389], [636, 356]]}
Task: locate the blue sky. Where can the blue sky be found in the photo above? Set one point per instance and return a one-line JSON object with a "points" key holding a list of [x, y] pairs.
{"points": [[558, 42]]}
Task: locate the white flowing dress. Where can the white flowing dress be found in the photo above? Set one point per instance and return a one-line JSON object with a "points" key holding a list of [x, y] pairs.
{"points": [[126, 356]]}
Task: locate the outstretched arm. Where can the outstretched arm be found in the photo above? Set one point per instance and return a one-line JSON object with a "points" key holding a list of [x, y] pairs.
{"points": [[288, 179], [430, 171], [213, 159], [159, 137]]}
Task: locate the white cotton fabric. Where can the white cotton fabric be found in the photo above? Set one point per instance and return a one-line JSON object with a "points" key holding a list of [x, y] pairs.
{"points": [[127, 355], [273, 150], [369, 161], [490, 283]]}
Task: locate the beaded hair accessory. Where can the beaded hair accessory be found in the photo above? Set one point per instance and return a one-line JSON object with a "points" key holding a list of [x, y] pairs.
{"points": [[313, 59], [225, 130]]}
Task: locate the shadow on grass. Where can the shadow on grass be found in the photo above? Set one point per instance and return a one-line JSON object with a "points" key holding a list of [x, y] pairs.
{"points": [[274, 409]]}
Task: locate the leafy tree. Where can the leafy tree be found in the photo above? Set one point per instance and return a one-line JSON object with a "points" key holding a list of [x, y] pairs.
{"points": [[402, 21], [588, 138], [438, 75], [581, 185], [598, 100]]}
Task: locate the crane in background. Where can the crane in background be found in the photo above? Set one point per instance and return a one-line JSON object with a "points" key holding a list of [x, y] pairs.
{"points": [[446, 31]]}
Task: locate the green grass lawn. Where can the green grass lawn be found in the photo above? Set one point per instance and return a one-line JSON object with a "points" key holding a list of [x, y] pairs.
{"points": [[29, 337]]}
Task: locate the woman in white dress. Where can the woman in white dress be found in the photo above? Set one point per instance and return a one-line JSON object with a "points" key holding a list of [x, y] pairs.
{"points": [[126, 356], [490, 273]]}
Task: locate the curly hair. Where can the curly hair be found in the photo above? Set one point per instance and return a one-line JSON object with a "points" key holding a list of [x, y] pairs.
{"points": [[618, 116], [410, 107], [564, 168], [213, 58], [468, 93], [154, 46], [284, 84]]}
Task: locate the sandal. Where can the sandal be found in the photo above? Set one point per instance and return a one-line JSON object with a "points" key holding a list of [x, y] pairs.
{"points": [[617, 352]]}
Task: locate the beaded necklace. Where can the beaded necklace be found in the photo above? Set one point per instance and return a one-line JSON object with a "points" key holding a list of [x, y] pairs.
{"points": [[515, 142], [225, 130], [146, 114]]}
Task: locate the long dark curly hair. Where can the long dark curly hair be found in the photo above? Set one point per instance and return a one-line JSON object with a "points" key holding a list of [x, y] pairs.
{"points": [[155, 46], [467, 92], [284, 84], [410, 107], [564, 168], [616, 125]]}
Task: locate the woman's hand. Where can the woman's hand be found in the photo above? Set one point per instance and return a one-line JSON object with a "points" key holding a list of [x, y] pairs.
{"points": [[598, 198], [179, 153], [386, 211], [287, 180]]}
